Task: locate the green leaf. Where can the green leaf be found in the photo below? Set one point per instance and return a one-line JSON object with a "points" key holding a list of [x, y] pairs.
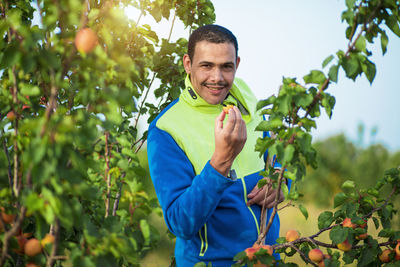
{"points": [[269, 125], [263, 103], [288, 154], [325, 219], [361, 44], [283, 104], [339, 199], [315, 76], [328, 101], [350, 3], [201, 264], [145, 228], [339, 234], [348, 185], [303, 211], [327, 61], [30, 90], [392, 23], [241, 255], [11, 56], [351, 66], [261, 183], [384, 42], [376, 222], [262, 144], [333, 73], [386, 233], [369, 70]]}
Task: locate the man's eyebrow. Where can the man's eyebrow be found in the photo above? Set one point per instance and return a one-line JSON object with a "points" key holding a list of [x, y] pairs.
{"points": [[206, 62], [212, 63]]}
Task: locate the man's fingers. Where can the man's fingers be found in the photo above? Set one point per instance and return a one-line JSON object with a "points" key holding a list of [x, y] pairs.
{"points": [[231, 121], [270, 201], [254, 192], [219, 121]]}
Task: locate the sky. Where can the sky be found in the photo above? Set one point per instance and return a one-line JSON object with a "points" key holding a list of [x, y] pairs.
{"points": [[291, 37], [288, 38]]}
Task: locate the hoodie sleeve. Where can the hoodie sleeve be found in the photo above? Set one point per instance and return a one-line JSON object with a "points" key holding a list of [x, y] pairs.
{"points": [[187, 199]]}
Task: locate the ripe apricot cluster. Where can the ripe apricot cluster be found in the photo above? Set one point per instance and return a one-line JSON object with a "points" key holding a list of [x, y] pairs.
{"points": [[252, 250], [32, 246], [385, 255]]}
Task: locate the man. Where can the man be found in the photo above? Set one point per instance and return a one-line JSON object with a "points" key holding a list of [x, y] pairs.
{"points": [[202, 160]]}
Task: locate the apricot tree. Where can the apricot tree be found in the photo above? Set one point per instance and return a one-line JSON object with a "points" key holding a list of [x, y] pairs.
{"points": [[292, 113], [75, 77]]}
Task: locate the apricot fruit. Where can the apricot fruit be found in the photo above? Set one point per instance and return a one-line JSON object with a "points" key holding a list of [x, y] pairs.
{"points": [[227, 108], [397, 251], [86, 40], [362, 236], [48, 239], [384, 256], [7, 218], [268, 248], [11, 115], [32, 247], [344, 246], [316, 255], [292, 235], [250, 252], [347, 223]]}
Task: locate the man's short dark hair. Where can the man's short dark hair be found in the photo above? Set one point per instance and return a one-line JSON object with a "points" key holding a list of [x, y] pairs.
{"points": [[211, 33]]}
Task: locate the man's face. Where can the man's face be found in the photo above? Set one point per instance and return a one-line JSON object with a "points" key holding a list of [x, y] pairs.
{"points": [[212, 70]]}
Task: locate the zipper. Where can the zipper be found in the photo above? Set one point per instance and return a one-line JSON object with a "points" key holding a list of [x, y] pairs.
{"points": [[204, 241], [245, 202]]}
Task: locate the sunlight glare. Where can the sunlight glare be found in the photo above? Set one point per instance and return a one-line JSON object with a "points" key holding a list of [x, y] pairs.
{"points": [[132, 12]]}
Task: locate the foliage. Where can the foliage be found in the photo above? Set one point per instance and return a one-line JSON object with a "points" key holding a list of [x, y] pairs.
{"points": [[292, 115], [69, 125], [338, 160]]}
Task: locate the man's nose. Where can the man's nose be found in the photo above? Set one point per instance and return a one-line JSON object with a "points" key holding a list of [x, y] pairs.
{"points": [[216, 75]]}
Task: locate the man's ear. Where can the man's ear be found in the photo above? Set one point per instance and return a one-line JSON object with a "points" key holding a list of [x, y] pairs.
{"points": [[187, 64], [237, 62]]}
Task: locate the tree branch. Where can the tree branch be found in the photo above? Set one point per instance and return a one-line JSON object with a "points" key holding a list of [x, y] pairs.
{"points": [[107, 175]]}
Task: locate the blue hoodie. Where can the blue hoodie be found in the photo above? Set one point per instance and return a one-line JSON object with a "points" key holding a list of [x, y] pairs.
{"points": [[206, 211]]}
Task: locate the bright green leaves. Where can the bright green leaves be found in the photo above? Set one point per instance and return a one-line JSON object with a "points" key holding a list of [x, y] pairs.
{"points": [[355, 64], [339, 199], [328, 102], [11, 55], [339, 234], [351, 66], [303, 211], [269, 125], [361, 44], [325, 219], [327, 61], [333, 73], [315, 77], [384, 42], [392, 21]]}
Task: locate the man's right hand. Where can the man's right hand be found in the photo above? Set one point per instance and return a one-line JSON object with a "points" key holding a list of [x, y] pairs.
{"points": [[229, 140]]}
